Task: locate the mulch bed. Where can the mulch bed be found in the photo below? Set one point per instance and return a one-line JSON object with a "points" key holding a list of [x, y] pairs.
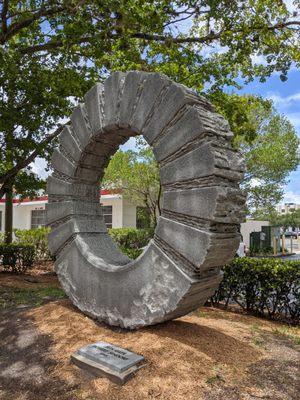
{"points": [[210, 354]]}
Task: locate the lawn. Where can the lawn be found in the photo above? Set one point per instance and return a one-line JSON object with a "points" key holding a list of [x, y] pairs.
{"points": [[209, 354]]}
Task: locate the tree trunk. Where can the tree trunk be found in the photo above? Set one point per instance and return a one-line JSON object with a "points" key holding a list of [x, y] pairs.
{"points": [[8, 214]]}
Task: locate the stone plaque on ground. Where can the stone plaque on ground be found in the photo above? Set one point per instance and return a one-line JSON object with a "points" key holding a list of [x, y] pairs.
{"points": [[105, 359]]}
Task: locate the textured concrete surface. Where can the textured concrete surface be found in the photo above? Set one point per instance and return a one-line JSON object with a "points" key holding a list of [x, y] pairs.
{"points": [[201, 210]]}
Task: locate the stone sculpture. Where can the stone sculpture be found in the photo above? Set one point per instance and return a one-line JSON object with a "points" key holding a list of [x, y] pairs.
{"points": [[202, 206]]}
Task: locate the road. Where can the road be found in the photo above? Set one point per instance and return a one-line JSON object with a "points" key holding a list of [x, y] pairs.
{"points": [[293, 257]]}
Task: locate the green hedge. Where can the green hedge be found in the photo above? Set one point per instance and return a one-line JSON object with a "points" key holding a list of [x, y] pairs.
{"points": [[264, 286], [131, 240], [16, 258], [35, 237]]}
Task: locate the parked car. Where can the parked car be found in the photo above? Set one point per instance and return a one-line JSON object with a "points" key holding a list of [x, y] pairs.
{"points": [[291, 234]]}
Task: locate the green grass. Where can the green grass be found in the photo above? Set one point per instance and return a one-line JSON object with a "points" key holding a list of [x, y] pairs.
{"points": [[12, 296], [203, 314], [288, 333], [216, 377], [256, 337]]}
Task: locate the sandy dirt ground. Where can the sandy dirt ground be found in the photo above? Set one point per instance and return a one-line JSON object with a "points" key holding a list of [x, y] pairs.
{"points": [[210, 354]]}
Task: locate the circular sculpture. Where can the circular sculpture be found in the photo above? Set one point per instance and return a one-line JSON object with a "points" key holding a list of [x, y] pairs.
{"points": [[202, 205]]}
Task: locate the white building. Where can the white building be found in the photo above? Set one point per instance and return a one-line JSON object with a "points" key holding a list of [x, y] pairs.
{"points": [[250, 226], [287, 208], [29, 214]]}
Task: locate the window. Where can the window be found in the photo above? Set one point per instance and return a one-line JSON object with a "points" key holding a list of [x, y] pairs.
{"points": [[107, 215], [38, 218]]}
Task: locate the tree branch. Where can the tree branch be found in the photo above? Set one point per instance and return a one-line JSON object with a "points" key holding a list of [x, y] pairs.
{"points": [[26, 161], [209, 38], [17, 26], [4, 16]]}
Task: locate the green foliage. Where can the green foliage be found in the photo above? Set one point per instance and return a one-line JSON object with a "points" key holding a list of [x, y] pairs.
{"points": [[246, 114], [53, 51], [16, 258], [13, 296], [38, 238], [290, 219], [131, 237], [136, 173], [264, 286], [143, 218], [256, 250], [131, 240], [2, 238], [131, 253], [270, 159], [270, 146]]}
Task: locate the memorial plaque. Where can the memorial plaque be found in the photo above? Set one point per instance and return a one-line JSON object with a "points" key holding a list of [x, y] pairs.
{"points": [[106, 359]]}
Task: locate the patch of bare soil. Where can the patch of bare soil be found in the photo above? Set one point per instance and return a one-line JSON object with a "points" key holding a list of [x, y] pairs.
{"points": [[210, 354], [41, 275]]}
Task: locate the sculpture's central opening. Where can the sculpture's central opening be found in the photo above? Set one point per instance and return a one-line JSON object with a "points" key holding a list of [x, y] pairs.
{"points": [[122, 162], [132, 177]]}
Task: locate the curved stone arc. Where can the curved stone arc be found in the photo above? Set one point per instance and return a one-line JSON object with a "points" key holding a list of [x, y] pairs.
{"points": [[201, 210]]}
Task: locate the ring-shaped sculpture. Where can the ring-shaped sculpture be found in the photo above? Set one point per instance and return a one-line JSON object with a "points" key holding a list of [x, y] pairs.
{"points": [[202, 207]]}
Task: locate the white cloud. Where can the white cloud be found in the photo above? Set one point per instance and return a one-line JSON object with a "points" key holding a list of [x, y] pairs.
{"points": [[290, 5], [259, 59], [284, 101], [39, 168], [294, 118], [291, 197]]}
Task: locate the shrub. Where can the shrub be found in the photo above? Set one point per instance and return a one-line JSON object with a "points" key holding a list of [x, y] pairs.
{"points": [[131, 253], [131, 237], [36, 237], [262, 286], [16, 258], [2, 237], [131, 240]]}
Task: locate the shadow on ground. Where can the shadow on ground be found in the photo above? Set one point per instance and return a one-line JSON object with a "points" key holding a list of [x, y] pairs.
{"points": [[192, 358], [26, 361]]}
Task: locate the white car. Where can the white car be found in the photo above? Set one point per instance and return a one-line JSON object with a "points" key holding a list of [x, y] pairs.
{"points": [[241, 251]]}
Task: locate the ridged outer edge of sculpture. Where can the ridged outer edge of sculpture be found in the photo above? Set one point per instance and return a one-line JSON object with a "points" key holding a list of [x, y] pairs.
{"points": [[202, 207]]}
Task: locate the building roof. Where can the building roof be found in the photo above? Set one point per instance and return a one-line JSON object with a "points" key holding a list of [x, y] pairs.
{"points": [[103, 192]]}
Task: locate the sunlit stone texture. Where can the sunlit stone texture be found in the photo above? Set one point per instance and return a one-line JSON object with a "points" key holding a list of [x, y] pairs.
{"points": [[202, 204]]}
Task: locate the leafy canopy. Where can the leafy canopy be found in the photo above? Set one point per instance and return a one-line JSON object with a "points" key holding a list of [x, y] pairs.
{"points": [[53, 50], [290, 219]]}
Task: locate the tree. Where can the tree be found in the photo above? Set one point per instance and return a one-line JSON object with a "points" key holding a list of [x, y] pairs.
{"points": [[269, 144], [267, 140], [270, 158], [290, 219], [136, 174], [53, 50]]}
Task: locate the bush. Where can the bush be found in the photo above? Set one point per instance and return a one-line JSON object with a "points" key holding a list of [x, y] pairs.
{"points": [[16, 258], [131, 237], [2, 237], [264, 286], [131, 240], [36, 237]]}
